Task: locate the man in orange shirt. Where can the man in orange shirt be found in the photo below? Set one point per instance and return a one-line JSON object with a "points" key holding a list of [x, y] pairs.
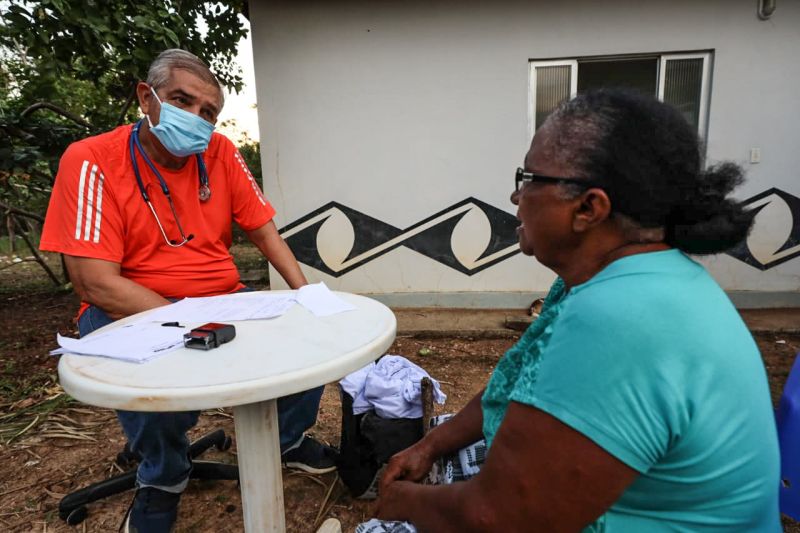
{"points": [[143, 216]]}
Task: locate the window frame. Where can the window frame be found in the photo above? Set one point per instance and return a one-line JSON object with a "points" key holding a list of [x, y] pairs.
{"points": [[532, 66], [663, 57], [705, 85]]}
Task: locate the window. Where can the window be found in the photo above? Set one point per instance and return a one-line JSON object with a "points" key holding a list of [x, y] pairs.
{"points": [[679, 79]]}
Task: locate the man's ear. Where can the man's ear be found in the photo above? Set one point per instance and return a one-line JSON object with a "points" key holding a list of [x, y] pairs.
{"points": [[593, 207], [145, 97]]}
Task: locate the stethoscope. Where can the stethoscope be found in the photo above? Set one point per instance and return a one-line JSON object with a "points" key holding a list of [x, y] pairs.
{"points": [[204, 192]]}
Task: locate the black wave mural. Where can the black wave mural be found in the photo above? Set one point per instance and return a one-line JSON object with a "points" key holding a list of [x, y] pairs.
{"points": [[337, 239], [775, 238], [360, 238]]}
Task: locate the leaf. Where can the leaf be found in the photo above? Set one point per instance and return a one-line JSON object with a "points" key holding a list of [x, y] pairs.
{"points": [[16, 19], [82, 55], [22, 404], [172, 37], [53, 494]]}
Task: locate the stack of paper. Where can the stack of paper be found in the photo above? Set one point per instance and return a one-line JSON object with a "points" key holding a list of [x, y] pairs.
{"points": [[147, 338], [317, 298], [223, 308], [134, 342]]}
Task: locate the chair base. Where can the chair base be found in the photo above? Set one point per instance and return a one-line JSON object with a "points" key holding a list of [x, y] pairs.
{"points": [[72, 507]]}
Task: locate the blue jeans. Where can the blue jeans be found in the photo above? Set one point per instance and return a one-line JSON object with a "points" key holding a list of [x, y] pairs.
{"points": [[160, 438]]}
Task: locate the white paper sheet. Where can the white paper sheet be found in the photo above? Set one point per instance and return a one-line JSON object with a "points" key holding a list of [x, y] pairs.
{"points": [[147, 338], [223, 309], [136, 343], [319, 299]]}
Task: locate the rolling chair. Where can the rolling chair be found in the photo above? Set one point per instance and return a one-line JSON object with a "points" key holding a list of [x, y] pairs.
{"points": [[72, 507]]}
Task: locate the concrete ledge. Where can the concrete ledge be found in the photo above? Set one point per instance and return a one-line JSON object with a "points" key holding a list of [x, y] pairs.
{"points": [[460, 323], [521, 300], [509, 323], [458, 300]]}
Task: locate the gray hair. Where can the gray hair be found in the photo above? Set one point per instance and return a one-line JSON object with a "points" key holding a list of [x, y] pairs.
{"points": [[577, 126], [161, 69], [632, 230]]}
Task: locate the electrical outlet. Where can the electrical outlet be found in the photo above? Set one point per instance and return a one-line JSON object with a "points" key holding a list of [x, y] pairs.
{"points": [[755, 155]]}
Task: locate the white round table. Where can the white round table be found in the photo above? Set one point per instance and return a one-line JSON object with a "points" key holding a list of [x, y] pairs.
{"points": [[267, 359]]}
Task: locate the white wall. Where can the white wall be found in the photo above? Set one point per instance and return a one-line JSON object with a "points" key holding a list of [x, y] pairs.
{"points": [[398, 110]]}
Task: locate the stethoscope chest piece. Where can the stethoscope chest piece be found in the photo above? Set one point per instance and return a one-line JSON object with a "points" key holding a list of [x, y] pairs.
{"points": [[204, 192]]}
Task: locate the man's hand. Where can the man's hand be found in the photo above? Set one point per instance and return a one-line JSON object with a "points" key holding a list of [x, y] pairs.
{"points": [[411, 464]]}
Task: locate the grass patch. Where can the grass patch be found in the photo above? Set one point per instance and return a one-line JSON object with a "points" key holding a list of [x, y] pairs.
{"points": [[20, 247], [22, 274], [16, 386], [19, 417]]}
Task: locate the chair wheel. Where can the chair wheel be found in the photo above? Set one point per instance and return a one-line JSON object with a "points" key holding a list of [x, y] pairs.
{"points": [[77, 515], [126, 459], [225, 444]]}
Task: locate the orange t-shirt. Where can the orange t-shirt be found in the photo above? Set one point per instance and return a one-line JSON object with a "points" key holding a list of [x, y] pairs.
{"points": [[96, 210]]}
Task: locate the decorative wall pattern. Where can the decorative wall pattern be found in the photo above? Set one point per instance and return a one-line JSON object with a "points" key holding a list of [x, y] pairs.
{"points": [[468, 236], [472, 235], [775, 237]]}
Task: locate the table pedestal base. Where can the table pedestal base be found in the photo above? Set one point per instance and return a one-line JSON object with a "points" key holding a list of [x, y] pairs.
{"points": [[259, 457]]}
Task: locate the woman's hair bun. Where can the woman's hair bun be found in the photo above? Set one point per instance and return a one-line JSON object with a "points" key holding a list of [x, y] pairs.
{"points": [[708, 222]]}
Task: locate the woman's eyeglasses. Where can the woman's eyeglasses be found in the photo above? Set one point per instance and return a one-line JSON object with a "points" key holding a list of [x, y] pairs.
{"points": [[522, 178]]}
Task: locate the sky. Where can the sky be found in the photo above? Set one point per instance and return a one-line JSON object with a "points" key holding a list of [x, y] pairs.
{"points": [[240, 108]]}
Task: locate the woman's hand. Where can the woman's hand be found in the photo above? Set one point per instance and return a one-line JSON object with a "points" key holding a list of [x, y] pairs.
{"points": [[411, 464], [393, 501], [414, 463]]}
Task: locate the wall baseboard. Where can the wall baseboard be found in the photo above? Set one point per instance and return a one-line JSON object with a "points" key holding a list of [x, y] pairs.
{"points": [[521, 300]]}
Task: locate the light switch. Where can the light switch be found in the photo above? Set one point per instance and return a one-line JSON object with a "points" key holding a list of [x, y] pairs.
{"points": [[755, 155]]}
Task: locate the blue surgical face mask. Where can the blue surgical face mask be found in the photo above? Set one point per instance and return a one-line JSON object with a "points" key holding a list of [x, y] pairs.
{"points": [[180, 132]]}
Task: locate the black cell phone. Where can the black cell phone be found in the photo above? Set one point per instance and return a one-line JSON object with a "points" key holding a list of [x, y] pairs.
{"points": [[209, 336]]}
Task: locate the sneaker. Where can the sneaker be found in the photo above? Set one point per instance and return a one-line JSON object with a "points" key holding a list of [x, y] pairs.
{"points": [[152, 511], [310, 456]]}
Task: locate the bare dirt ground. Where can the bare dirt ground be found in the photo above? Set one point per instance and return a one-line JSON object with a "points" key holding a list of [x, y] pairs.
{"points": [[51, 445]]}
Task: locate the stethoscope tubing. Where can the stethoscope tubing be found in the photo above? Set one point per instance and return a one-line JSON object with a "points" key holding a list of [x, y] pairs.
{"points": [[135, 144]]}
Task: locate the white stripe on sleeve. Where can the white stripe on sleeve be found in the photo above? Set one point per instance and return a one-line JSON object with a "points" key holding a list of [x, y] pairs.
{"points": [[98, 209], [79, 220], [89, 204]]}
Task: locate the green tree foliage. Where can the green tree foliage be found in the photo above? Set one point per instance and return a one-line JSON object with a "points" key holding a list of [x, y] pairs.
{"points": [[68, 69], [251, 153]]}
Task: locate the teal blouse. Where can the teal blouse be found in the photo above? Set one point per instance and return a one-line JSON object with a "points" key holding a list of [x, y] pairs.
{"points": [[650, 360]]}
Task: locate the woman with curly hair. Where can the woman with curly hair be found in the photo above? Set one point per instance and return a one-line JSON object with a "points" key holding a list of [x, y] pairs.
{"points": [[638, 400]]}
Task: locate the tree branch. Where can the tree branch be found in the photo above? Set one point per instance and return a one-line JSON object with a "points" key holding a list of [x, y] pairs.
{"points": [[63, 112], [39, 259], [22, 134], [127, 105], [17, 211]]}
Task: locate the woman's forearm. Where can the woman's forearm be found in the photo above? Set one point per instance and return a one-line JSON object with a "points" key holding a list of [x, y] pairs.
{"points": [[462, 430], [455, 508]]}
